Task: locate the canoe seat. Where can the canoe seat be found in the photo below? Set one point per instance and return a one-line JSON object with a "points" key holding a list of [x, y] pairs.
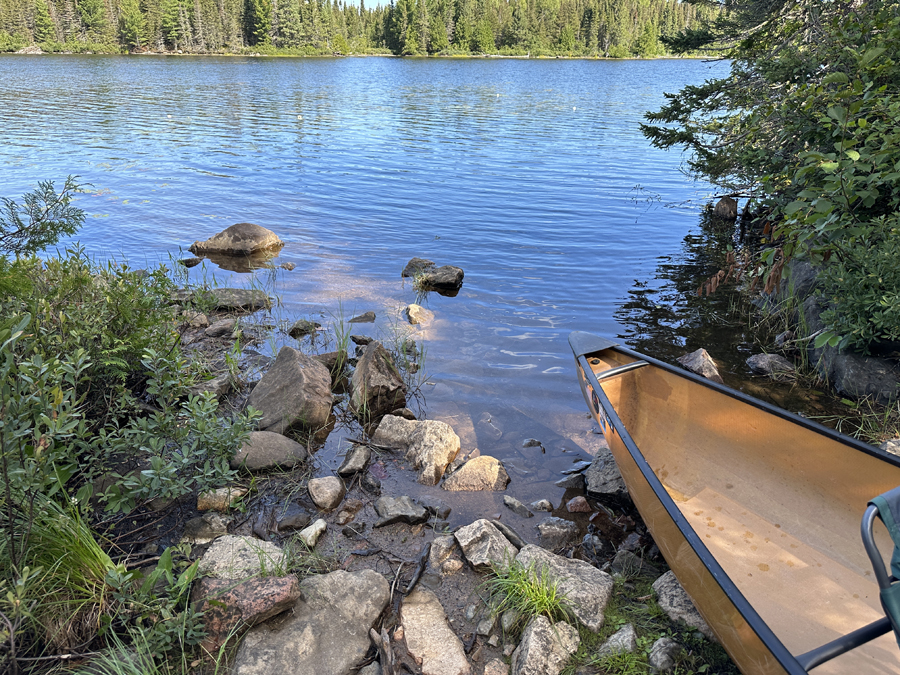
{"points": [[886, 507]]}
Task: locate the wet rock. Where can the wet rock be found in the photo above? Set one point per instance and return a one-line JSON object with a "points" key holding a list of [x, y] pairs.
{"points": [[480, 473], [483, 544], [310, 535], [435, 506], [416, 266], [289, 266], [204, 529], [190, 262], [444, 556], [444, 278], [629, 565], [376, 385], [429, 636], [229, 609], [356, 460], [292, 518], [509, 533], [221, 328], [485, 626], [577, 467], [585, 588], [578, 505], [361, 340], [239, 299], [573, 482], [236, 557], [370, 483], [663, 655], [622, 641], [266, 450], [545, 648], [405, 413], [418, 315], [334, 361], [702, 363], [219, 500], [772, 365], [348, 511], [218, 386], [597, 550], [303, 327], [517, 507], [726, 209], [541, 505], [326, 492], [676, 603], [603, 479], [399, 510], [892, 446], [557, 533], [366, 317], [295, 393], [429, 444], [328, 631], [531, 443], [784, 338], [241, 239]]}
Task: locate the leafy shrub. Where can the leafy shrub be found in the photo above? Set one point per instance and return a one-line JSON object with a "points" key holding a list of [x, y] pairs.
{"points": [[42, 218]]}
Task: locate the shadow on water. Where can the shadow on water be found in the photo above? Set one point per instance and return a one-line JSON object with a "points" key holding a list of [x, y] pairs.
{"points": [[664, 316]]}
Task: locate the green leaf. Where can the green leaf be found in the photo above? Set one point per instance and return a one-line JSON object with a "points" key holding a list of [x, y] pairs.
{"points": [[871, 54], [793, 207], [837, 113], [852, 154], [835, 78], [830, 167]]}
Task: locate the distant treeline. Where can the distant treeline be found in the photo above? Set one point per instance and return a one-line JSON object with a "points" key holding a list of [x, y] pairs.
{"points": [[613, 28]]}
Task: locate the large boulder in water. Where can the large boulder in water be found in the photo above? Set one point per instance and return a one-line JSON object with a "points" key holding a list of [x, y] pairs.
{"points": [[376, 385], [726, 209], [295, 393], [241, 239]]}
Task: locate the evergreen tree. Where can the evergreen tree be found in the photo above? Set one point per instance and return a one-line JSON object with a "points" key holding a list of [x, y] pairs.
{"points": [[93, 17], [258, 22], [43, 24], [131, 24]]}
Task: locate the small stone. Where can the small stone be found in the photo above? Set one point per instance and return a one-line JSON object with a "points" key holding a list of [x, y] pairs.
{"points": [[542, 505], [622, 641], [677, 604], [367, 317], [494, 640], [545, 648], [892, 446], [370, 482], [531, 443], [574, 482], [266, 450], [234, 557], [783, 338], [480, 473], [289, 266], [311, 534], [219, 500], [508, 620], [302, 328], [557, 533], [663, 654], [356, 460], [451, 566], [218, 386], [484, 545], [485, 626], [578, 505], [292, 517], [508, 532], [326, 492], [577, 467], [241, 239], [726, 209], [517, 507], [417, 314], [702, 363], [435, 506], [361, 340], [773, 365], [399, 510], [195, 319], [190, 262], [221, 328], [405, 413], [204, 529]]}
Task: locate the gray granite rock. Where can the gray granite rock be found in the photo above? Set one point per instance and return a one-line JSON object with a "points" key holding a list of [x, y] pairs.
{"points": [[574, 481], [479, 473], [205, 529], [328, 631], [240, 299], [356, 460], [291, 517], [484, 545], [376, 387], [399, 510], [772, 365], [235, 557], [663, 655], [517, 507], [542, 505], [429, 444], [429, 636], [892, 446], [545, 648], [295, 393], [365, 317], [303, 327], [326, 492], [623, 640], [435, 506], [677, 605], [603, 479], [586, 589], [557, 533], [266, 450], [702, 363], [218, 386]]}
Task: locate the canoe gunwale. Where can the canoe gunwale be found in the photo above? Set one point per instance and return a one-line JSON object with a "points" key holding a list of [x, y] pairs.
{"points": [[584, 346]]}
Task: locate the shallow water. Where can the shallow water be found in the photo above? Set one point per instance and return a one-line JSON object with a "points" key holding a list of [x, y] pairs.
{"points": [[531, 175]]}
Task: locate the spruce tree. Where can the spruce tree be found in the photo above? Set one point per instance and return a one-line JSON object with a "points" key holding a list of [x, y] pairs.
{"points": [[131, 24], [43, 24]]}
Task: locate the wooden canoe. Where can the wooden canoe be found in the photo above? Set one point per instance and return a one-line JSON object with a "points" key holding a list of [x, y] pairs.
{"points": [[756, 510]]}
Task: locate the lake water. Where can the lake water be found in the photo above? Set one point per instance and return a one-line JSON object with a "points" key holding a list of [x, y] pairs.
{"points": [[531, 175]]}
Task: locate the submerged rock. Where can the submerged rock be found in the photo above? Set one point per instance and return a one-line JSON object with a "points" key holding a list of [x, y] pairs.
{"points": [[479, 473], [429, 444], [773, 365], [517, 507], [303, 327], [241, 239], [417, 314], [557, 533]]}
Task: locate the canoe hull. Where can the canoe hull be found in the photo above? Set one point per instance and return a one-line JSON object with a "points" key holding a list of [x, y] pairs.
{"points": [[658, 403]]}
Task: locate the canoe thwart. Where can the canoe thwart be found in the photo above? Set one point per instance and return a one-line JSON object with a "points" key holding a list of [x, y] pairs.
{"points": [[587, 343], [842, 645], [620, 370]]}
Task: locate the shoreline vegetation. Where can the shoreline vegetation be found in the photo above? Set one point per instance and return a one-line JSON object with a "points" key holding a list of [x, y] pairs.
{"points": [[503, 28]]}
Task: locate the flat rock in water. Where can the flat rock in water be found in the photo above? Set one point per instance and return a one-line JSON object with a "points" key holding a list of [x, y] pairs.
{"points": [[603, 479], [586, 589], [517, 507], [376, 387], [365, 317], [429, 444], [418, 315], [545, 647], [573, 481], [676, 603], [266, 450], [303, 327], [484, 545], [773, 365], [702, 363], [295, 393], [557, 533], [356, 460], [230, 609], [236, 557], [479, 473], [429, 636], [240, 239], [399, 510], [577, 467], [435, 506], [239, 299], [328, 631], [326, 492]]}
